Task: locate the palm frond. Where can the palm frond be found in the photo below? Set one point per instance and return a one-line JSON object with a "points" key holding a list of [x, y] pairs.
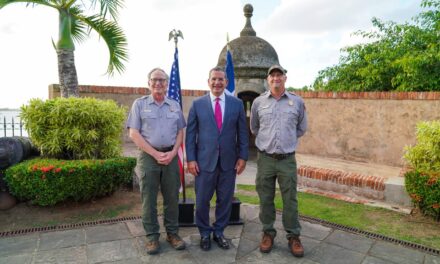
{"points": [[109, 6], [78, 28], [115, 39]]}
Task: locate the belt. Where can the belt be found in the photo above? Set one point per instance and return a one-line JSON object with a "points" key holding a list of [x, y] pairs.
{"points": [[164, 149], [278, 156]]}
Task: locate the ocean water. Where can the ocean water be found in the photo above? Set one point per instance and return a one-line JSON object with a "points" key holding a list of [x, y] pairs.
{"points": [[7, 118]]}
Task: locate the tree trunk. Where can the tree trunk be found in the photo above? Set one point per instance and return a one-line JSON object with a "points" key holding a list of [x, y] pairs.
{"points": [[67, 73]]}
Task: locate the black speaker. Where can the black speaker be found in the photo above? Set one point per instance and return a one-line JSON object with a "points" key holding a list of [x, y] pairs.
{"points": [[235, 213], [186, 212]]}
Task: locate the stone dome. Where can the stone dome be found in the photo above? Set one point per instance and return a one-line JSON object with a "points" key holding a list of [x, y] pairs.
{"points": [[252, 56]]}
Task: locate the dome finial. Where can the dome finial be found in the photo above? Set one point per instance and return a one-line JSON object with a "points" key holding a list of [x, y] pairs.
{"points": [[248, 30]]}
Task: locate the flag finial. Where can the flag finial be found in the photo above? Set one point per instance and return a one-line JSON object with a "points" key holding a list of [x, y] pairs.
{"points": [[175, 34]]}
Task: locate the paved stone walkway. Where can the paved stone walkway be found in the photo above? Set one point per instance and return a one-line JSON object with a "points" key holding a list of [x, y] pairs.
{"points": [[124, 243]]}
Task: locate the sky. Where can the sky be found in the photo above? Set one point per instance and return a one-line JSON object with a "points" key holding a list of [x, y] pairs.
{"points": [[307, 36]]}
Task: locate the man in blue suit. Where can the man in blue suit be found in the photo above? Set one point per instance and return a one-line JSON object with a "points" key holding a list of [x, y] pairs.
{"points": [[217, 145]]}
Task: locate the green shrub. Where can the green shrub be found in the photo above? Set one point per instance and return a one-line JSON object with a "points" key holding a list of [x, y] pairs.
{"points": [[424, 190], [422, 182], [75, 128], [425, 155], [49, 181]]}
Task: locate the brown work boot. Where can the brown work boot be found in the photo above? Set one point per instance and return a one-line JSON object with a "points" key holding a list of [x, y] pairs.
{"points": [[266, 243], [152, 247], [175, 241], [296, 247]]}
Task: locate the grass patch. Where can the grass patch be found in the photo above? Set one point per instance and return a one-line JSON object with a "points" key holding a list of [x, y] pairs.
{"points": [[414, 228]]}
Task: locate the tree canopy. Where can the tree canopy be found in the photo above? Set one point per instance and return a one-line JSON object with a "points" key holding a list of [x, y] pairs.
{"points": [[399, 57]]}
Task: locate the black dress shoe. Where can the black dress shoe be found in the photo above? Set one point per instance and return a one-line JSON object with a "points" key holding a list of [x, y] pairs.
{"points": [[205, 243], [222, 242]]}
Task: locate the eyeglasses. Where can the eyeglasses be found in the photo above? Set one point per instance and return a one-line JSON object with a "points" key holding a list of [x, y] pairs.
{"points": [[154, 80]]}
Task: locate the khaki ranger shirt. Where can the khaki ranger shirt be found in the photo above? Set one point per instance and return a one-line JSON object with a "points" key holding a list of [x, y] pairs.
{"points": [[278, 124], [158, 124]]}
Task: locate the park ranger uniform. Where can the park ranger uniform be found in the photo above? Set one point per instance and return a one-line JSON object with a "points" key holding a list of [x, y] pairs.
{"points": [[159, 125], [277, 125]]}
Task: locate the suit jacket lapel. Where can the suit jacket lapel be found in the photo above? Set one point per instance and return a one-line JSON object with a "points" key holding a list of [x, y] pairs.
{"points": [[227, 110], [208, 105]]}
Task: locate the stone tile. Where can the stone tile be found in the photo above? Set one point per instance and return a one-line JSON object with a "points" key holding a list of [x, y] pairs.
{"points": [[330, 254], [233, 231], [112, 251], [374, 260], [187, 231], [176, 256], [214, 256], [19, 244], [74, 255], [430, 259], [252, 231], [17, 259], [125, 261], [277, 255], [102, 233], [246, 246], [350, 241], [135, 228], [62, 239], [314, 231], [396, 253]]}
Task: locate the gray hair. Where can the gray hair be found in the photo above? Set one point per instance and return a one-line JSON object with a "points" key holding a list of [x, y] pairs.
{"points": [[218, 69], [158, 69]]}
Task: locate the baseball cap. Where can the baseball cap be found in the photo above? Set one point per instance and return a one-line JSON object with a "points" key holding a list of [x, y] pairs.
{"points": [[276, 67]]}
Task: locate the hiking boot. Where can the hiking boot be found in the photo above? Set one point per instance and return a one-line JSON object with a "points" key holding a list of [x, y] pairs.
{"points": [[296, 247], [152, 247], [175, 241], [266, 243]]}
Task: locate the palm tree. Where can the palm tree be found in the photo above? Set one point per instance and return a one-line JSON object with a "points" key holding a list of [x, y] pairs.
{"points": [[75, 25]]}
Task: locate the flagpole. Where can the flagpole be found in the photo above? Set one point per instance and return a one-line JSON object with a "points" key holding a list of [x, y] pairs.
{"points": [[175, 34]]}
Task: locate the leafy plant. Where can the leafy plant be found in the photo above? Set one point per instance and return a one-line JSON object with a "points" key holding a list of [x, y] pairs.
{"points": [[75, 128], [49, 181], [424, 190], [425, 155], [423, 181]]}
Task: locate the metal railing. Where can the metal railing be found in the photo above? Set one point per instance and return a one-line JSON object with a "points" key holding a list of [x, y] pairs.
{"points": [[11, 127]]}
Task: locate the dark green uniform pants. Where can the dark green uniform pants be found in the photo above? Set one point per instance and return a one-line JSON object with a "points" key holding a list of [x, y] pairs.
{"points": [[153, 176], [270, 169]]}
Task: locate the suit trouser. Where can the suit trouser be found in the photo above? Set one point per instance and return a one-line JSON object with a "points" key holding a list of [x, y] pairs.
{"points": [[153, 176], [223, 184], [269, 170]]}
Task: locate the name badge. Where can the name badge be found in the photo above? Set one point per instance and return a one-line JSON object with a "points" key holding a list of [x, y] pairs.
{"points": [[147, 110]]}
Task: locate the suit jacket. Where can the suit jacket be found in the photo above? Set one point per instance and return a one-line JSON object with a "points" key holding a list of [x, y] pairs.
{"points": [[205, 144]]}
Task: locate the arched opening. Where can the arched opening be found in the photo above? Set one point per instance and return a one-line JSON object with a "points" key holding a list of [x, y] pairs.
{"points": [[248, 98]]}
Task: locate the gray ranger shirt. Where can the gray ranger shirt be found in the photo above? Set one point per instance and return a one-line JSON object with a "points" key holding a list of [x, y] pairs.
{"points": [[158, 124], [278, 123]]}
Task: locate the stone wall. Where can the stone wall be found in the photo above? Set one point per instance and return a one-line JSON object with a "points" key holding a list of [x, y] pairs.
{"points": [[371, 127]]}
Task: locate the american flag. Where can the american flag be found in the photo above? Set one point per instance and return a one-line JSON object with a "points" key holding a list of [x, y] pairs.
{"points": [[174, 92]]}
